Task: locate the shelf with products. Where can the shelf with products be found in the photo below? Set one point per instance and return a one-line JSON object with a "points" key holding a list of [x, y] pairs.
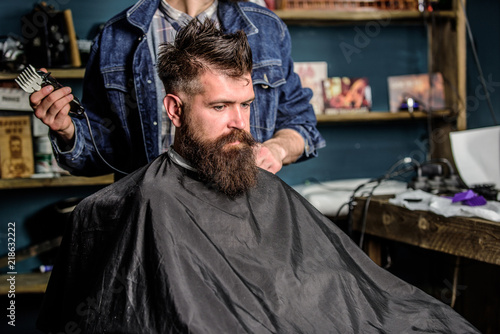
{"points": [[383, 116], [316, 16], [60, 181], [446, 54], [451, 24], [24, 283], [59, 73]]}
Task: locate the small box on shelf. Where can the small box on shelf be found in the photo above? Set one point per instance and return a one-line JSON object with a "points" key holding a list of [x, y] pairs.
{"points": [[425, 90], [344, 95], [14, 99]]}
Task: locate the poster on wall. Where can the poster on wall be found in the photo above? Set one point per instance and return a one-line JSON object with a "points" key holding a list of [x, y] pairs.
{"points": [[344, 95], [311, 76], [16, 147], [427, 91]]}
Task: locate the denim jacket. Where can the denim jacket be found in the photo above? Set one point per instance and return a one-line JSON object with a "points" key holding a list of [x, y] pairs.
{"points": [[120, 100]]}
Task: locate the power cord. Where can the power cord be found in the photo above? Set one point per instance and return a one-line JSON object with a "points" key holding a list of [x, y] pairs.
{"points": [[391, 173], [95, 146], [478, 64]]}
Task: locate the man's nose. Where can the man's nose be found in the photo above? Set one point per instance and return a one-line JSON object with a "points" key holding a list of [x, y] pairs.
{"points": [[239, 118]]}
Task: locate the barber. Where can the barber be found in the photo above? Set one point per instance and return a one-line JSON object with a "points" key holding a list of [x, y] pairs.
{"points": [[122, 94]]}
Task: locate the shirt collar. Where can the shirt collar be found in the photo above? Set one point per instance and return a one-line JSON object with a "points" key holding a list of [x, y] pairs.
{"points": [[178, 160], [183, 18]]}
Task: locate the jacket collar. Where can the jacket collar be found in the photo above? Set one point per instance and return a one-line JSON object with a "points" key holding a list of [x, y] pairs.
{"points": [[233, 18], [141, 14]]}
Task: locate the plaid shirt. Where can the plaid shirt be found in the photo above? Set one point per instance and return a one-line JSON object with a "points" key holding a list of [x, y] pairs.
{"points": [[166, 22]]}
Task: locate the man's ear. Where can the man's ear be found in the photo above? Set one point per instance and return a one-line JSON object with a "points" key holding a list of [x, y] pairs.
{"points": [[173, 106]]}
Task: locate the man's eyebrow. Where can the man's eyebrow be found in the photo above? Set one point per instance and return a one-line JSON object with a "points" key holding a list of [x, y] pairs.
{"points": [[230, 101]]}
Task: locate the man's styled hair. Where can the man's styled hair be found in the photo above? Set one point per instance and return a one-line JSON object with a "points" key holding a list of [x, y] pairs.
{"points": [[199, 47]]}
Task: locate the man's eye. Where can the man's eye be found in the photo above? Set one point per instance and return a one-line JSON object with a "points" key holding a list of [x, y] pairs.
{"points": [[219, 108], [246, 105]]}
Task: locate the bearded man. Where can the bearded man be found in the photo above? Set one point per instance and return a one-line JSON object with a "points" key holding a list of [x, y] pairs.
{"points": [[15, 165], [202, 241]]}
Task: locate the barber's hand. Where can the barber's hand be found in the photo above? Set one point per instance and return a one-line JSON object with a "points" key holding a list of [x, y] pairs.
{"points": [[52, 108], [284, 148], [269, 157]]}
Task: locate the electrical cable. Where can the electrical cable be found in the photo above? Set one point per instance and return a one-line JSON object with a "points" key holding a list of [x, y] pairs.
{"points": [[388, 175], [340, 209], [477, 62], [429, 103], [365, 214], [455, 282], [351, 205], [95, 146]]}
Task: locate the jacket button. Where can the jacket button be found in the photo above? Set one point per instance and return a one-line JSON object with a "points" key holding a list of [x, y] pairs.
{"points": [[266, 80]]}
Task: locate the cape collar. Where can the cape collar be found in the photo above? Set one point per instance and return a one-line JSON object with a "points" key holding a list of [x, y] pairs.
{"points": [[178, 160]]}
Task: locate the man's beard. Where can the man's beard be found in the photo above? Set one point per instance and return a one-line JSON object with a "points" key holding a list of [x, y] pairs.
{"points": [[228, 169], [18, 154]]}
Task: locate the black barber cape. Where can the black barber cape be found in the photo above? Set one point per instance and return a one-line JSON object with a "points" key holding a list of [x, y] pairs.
{"points": [[161, 252]]}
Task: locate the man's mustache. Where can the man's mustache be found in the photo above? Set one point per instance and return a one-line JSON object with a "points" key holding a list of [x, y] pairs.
{"points": [[236, 135]]}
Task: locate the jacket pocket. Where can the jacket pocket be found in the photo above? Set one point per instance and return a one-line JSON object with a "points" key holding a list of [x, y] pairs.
{"points": [[268, 74], [115, 78], [267, 80], [121, 95]]}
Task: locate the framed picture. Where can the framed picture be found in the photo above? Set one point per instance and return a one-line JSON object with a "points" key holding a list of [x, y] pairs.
{"points": [[311, 76], [16, 147], [344, 95]]}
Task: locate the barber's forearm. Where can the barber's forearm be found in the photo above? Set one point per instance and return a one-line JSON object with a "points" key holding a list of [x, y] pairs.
{"points": [[288, 143], [66, 136]]}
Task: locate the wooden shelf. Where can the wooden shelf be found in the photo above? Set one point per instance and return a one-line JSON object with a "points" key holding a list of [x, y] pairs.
{"points": [[380, 116], [62, 181], [25, 283], [59, 73], [334, 16]]}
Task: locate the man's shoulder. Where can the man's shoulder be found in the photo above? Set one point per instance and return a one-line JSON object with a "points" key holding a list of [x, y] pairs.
{"points": [[273, 184], [253, 10], [253, 7], [131, 187], [245, 13], [139, 15]]}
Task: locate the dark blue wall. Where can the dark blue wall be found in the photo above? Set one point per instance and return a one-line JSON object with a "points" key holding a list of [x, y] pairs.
{"points": [[485, 26], [353, 150], [380, 50], [375, 50]]}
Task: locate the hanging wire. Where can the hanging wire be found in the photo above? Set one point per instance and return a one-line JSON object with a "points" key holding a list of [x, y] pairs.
{"points": [[391, 173], [478, 64]]}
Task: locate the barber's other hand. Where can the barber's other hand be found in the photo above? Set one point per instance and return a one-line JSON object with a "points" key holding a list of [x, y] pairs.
{"points": [[269, 157], [52, 108]]}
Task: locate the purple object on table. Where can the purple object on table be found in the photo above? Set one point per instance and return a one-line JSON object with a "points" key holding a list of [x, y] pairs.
{"points": [[469, 198], [475, 201], [463, 196]]}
